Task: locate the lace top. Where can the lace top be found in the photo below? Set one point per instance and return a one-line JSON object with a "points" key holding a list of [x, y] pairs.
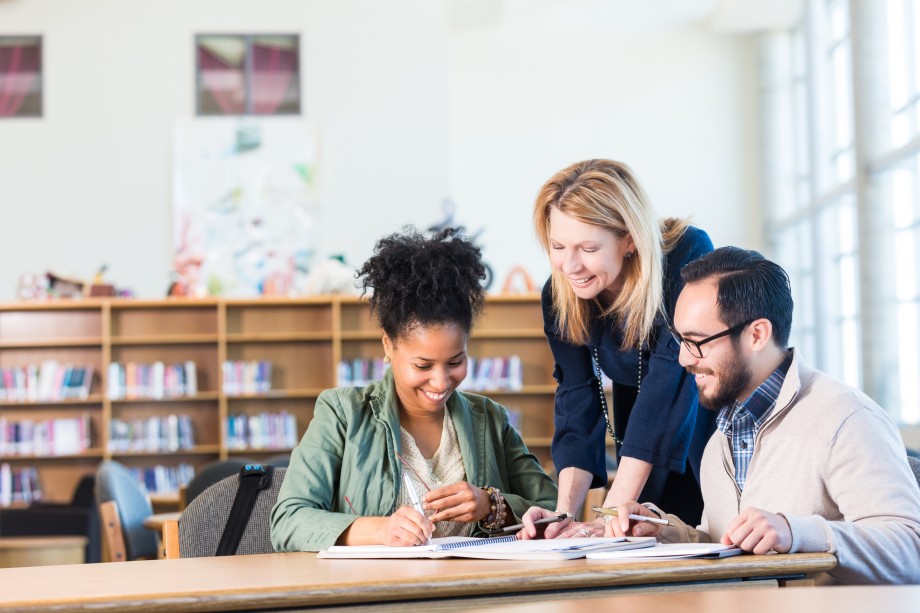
{"points": [[444, 468]]}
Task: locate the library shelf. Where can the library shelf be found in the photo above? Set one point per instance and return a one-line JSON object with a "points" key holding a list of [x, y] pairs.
{"points": [[304, 340]]}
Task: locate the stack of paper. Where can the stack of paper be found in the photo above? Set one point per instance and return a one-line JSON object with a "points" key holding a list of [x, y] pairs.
{"points": [[670, 551], [501, 548]]}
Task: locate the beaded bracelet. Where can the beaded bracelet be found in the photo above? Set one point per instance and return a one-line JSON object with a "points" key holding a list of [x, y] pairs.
{"points": [[497, 510]]}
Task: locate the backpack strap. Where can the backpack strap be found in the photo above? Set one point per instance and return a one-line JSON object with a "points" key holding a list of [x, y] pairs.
{"points": [[253, 479]]}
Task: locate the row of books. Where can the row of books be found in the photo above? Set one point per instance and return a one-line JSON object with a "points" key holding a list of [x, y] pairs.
{"points": [[163, 479], [154, 433], [19, 485], [246, 377], [50, 380], [501, 373], [157, 380], [360, 372], [262, 431], [61, 436]]}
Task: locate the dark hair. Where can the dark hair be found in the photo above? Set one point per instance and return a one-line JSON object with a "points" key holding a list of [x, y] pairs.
{"points": [[750, 287], [423, 281]]}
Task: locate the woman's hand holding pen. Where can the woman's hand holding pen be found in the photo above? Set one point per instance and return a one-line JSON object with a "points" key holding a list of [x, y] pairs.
{"points": [[622, 525], [457, 502], [405, 528], [532, 531]]}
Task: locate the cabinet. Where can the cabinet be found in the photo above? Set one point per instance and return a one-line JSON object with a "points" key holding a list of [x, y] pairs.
{"points": [[304, 340]]}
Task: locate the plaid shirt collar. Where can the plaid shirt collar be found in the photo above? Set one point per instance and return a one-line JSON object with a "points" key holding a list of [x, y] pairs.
{"points": [[761, 401]]}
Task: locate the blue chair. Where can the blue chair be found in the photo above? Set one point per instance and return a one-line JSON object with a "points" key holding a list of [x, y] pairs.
{"points": [[123, 507]]}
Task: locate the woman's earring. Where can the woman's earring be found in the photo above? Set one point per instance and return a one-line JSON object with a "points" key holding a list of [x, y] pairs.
{"points": [[386, 359], [629, 254]]}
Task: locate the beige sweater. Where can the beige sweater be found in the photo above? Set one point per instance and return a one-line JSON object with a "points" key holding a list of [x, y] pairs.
{"points": [[832, 463]]}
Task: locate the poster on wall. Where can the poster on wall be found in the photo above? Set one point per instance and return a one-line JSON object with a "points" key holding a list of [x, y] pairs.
{"points": [[245, 206]]}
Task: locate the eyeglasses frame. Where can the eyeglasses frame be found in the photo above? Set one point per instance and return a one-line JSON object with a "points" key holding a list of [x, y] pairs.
{"points": [[698, 345]]}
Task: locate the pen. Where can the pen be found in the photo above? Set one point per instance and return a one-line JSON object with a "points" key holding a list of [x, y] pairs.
{"points": [[413, 496], [546, 520], [613, 512]]}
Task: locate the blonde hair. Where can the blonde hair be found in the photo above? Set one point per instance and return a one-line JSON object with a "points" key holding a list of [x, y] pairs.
{"points": [[605, 193]]}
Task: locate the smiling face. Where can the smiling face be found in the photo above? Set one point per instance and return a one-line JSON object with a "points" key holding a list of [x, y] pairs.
{"points": [[428, 363], [724, 373], [590, 257]]}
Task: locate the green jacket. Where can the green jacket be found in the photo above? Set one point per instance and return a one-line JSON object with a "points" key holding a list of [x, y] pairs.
{"points": [[350, 450]]}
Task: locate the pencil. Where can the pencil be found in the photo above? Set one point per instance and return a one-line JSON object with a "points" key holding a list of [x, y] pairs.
{"points": [[613, 512]]}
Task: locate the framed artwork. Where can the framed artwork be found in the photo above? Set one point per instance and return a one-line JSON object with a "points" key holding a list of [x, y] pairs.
{"points": [[20, 76], [247, 74], [245, 206]]}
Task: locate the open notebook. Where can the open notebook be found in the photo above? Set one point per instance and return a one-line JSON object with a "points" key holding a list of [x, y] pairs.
{"points": [[669, 551], [495, 548]]}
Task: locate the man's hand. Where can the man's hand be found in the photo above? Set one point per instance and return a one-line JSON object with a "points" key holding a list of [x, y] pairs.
{"points": [[759, 531]]}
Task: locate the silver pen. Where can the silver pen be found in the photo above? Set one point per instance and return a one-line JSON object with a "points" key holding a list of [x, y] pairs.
{"points": [[413, 496]]}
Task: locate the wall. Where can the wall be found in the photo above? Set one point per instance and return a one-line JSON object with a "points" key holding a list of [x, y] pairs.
{"points": [[413, 102], [537, 92]]}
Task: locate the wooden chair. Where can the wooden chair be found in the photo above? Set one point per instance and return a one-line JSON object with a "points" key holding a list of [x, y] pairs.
{"points": [[594, 498], [170, 539], [112, 536], [123, 507]]}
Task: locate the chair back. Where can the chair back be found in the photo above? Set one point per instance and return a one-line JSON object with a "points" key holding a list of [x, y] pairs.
{"points": [[279, 460], [211, 474], [914, 467], [202, 523], [115, 484]]}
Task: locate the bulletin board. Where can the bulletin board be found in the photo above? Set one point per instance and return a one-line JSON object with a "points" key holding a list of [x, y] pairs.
{"points": [[245, 205]]}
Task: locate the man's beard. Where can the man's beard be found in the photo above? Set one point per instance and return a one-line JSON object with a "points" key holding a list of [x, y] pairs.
{"points": [[733, 379]]}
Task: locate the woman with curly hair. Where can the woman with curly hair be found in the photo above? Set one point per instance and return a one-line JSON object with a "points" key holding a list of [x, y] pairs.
{"points": [[473, 473]]}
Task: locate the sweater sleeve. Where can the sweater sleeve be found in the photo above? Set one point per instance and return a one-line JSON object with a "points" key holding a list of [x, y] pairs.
{"points": [[680, 532], [302, 519], [877, 537]]}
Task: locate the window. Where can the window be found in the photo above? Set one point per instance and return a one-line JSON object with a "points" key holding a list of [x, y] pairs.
{"points": [[20, 76], [847, 228], [248, 75]]}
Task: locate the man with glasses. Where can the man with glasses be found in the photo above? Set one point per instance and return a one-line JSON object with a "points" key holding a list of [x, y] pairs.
{"points": [[800, 462]]}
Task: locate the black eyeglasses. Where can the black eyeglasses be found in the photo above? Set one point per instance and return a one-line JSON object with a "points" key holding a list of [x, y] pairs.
{"points": [[696, 347]]}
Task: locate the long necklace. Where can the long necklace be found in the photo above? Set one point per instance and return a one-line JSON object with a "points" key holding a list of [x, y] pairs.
{"points": [[603, 395]]}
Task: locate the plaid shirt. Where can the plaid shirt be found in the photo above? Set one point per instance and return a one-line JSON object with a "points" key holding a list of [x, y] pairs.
{"points": [[741, 421]]}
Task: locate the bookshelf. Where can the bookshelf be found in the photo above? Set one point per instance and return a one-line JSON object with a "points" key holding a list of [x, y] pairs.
{"points": [[304, 340]]}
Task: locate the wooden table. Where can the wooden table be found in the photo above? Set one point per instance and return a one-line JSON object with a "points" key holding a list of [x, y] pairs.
{"points": [[156, 521], [41, 550], [840, 599], [289, 580]]}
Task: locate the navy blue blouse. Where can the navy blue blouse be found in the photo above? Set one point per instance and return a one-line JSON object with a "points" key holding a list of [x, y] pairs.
{"points": [[663, 425]]}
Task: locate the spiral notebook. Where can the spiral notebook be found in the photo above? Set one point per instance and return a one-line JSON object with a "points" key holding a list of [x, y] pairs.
{"points": [[495, 548]]}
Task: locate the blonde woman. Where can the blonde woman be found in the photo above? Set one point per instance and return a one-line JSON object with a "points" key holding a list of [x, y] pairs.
{"points": [[615, 281]]}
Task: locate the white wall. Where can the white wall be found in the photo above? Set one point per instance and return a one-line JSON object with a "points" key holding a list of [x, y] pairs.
{"points": [[413, 103], [545, 89]]}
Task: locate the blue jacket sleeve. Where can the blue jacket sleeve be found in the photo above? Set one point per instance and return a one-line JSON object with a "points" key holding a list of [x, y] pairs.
{"points": [[578, 439]]}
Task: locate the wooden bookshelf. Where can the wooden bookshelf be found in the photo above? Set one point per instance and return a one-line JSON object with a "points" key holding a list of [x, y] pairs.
{"points": [[304, 338]]}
